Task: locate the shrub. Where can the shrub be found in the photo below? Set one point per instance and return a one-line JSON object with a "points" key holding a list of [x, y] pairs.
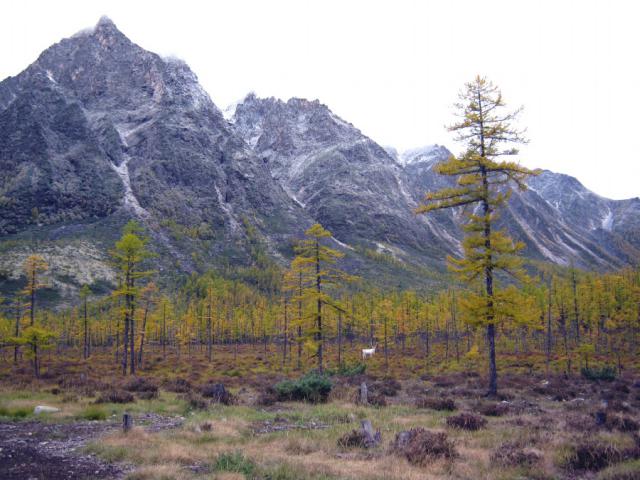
{"points": [[93, 413], [607, 373], [147, 395], [511, 454], [617, 406], [389, 387], [591, 455], [234, 462], [377, 399], [354, 438], [623, 471], [116, 396], [179, 385], [442, 404], [18, 412], [267, 397], [217, 393], [466, 421], [195, 401], [141, 384], [420, 446], [493, 409], [310, 388], [621, 423], [349, 370]]}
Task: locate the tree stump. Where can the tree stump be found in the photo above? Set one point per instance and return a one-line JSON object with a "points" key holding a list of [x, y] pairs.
{"points": [[127, 422], [364, 394], [372, 438]]}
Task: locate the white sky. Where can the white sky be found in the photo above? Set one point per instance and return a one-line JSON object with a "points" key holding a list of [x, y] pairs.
{"points": [[393, 68]]}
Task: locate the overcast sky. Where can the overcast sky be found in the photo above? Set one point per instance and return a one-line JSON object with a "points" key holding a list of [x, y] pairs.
{"points": [[393, 68]]}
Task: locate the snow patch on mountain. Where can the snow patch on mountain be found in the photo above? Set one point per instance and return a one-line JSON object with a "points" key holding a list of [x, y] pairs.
{"points": [[342, 244], [607, 221], [427, 153], [130, 199]]}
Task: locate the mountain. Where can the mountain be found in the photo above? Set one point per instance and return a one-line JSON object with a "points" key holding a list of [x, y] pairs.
{"points": [[342, 178], [365, 194], [98, 131], [557, 218]]}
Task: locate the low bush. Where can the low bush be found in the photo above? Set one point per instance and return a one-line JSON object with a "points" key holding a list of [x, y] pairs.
{"points": [[623, 471], [267, 397], [345, 370], [312, 387], [195, 401], [141, 384], [217, 393], [618, 406], [178, 385], [147, 395], [93, 413], [388, 387], [442, 404], [592, 454], [16, 412], [354, 438], [377, 399], [466, 421], [115, 396], [493, 409], [511, 454], [621, 423], [606, 373], [420, 446]]}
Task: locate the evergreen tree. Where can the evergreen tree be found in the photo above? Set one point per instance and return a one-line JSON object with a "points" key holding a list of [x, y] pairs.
{"points": [[482, 179], [85, 291], [130, 251], [316, 264], [34, 265]]}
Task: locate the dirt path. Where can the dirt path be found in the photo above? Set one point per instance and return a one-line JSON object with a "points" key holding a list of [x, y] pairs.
{"points": [[33, 450]]}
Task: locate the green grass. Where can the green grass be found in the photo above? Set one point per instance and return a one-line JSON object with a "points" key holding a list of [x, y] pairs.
{"points": [[234, 462], [93, 412], [15, 412], [623, 471]]}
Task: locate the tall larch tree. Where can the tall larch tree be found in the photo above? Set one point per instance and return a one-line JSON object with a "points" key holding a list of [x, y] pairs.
{"points": [[33, 267], [317, 265], [482, 180], [85, 291], [129, 253]]}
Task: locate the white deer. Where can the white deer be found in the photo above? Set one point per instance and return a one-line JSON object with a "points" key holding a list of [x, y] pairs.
{"points": [[368, 352]]}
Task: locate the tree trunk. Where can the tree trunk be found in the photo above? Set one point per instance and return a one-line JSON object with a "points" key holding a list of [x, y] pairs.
{"points": [[319, 337], [143, 332], [16, 349], [339, 338], [85, 351], [286, 333]]}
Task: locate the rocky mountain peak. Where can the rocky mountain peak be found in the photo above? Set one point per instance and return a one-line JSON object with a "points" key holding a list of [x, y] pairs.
{"points": [[286, 127], [107, 33], [428, 154]]}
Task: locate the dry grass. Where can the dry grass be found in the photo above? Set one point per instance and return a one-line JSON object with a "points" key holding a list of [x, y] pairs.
{"points": [[534, 420]]}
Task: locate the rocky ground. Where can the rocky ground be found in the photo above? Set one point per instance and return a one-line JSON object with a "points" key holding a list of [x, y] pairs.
{"points": [[55, 451]]}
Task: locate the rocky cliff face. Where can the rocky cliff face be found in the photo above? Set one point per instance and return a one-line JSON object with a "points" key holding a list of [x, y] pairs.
{"points": [[557, 218], [98, 130], [98, 127], [365, 194], [343, 179]]}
